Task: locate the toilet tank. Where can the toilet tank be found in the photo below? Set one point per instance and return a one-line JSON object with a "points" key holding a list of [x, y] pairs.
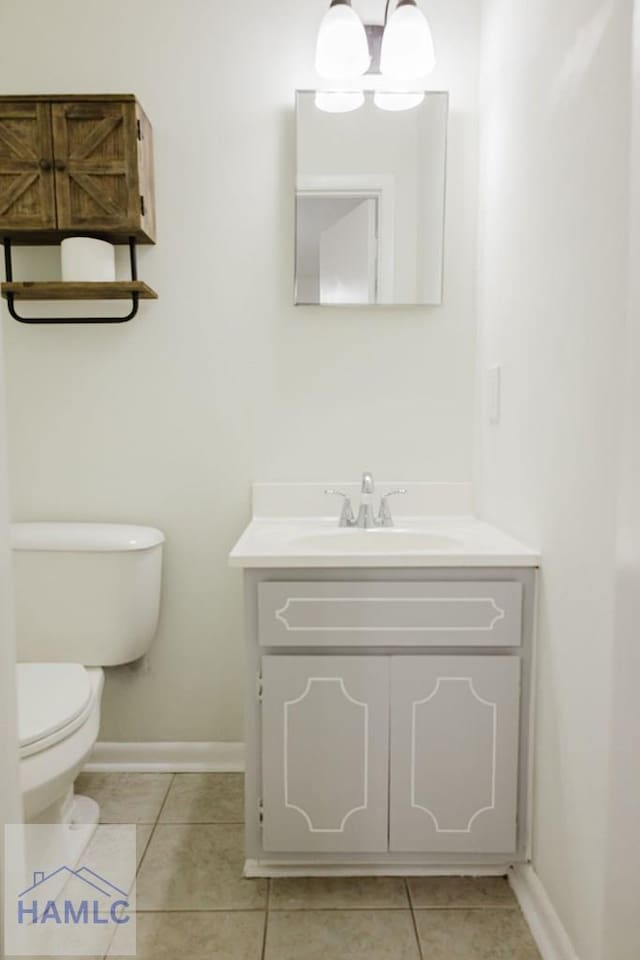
{"points": [[86, 592]]}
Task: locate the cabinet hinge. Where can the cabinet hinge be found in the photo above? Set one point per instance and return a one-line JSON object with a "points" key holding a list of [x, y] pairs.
{"points": [[259, 687], [260, 812], [139, 130], [142, 205]]}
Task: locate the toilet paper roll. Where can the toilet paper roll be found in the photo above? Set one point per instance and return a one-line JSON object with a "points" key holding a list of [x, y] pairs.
{"points": [[87, 259]]}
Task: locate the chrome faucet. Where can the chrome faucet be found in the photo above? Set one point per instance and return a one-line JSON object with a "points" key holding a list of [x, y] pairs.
{"points": [[366, 518]]}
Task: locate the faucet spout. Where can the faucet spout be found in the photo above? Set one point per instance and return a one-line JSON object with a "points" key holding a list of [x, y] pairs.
{"points": [[368, 485], [366, 517]]}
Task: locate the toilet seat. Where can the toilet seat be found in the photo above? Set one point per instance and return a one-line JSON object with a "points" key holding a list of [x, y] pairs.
{"points": [[54, 700]]}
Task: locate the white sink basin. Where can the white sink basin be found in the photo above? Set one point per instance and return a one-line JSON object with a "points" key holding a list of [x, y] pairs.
{"points": [[375, 540], [291, 528]]}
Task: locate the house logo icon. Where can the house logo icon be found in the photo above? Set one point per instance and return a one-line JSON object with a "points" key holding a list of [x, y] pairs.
{"points": [[97, 900]]}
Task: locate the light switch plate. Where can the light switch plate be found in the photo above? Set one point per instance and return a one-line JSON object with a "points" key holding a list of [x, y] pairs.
{"points": [[494, 394]]}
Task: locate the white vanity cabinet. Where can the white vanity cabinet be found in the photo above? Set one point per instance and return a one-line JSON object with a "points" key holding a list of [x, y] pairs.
{"points": [[390, 753], [387, 729]]}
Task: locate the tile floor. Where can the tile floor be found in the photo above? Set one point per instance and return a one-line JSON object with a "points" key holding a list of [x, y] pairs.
{"points": [[193, 902]]}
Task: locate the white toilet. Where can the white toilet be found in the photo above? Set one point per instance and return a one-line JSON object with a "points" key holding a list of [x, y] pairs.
{"points": [[87, 596]]}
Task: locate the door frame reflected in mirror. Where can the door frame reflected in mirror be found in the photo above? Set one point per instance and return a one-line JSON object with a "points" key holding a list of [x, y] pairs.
{"points": [[378, 187]]}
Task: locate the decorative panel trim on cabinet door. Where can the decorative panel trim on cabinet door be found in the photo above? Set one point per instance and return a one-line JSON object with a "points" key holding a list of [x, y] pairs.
{"points": [[454, 754], [426, 613], [325, 753], [27, 198]]}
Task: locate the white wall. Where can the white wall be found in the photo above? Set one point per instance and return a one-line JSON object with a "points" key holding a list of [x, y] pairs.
{"points": [[622, 917], [167, 420], [10, 810], [552, 302]]}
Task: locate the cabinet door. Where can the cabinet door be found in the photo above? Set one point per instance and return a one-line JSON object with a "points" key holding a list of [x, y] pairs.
{"points": [[454, 754], [95, 148], [27, 200], [324, 753]]}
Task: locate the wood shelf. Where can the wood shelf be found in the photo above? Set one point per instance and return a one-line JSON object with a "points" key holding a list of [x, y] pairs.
{"points": [[117, 290]]}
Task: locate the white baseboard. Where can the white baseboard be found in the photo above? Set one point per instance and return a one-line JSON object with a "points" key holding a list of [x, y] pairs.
{"points": [[165, 757], [544, 923], [272, 868]]}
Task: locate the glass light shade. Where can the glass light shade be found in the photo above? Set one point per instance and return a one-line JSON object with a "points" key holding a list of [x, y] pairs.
{"points": [[396, 102], [407, 45], [342, 50], [341, 101]]}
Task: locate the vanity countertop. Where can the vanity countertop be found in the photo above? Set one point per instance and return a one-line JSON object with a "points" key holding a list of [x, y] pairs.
{"points": [[417, 542], [438, 529]]}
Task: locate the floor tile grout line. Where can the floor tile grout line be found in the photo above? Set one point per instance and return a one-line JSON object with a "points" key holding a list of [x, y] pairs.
{"points": [[124, 823], [353, 908], [166, 796], [409, 896], [153, 829], [201, 823], [413, 919], [144, 852], [175, 823], [473, 907], [266, 920], [279, 910], [203, 910]]}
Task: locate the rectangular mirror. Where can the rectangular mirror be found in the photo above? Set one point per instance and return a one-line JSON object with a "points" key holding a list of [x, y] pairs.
{"points": [[370, 188]]}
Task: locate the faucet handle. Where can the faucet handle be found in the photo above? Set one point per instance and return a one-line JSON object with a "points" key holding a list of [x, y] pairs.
{"points": [[384, 515], [347, 518]]}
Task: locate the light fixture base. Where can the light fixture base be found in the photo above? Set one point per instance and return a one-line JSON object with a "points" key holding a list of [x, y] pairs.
{"points": [[374, 33]]}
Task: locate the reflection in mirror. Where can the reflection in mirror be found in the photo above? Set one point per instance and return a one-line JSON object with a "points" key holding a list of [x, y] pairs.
{"points": [[370, 201]]}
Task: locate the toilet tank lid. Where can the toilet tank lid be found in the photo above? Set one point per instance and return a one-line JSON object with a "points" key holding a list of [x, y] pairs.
{"points": [[97, 537]]}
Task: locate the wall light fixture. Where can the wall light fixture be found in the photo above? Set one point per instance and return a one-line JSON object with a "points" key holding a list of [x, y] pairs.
{"points": [[399, 51]]}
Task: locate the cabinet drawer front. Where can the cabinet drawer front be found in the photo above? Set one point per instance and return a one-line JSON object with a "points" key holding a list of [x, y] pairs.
{"points": [[442, 614], [454, 754], [325, 753]]}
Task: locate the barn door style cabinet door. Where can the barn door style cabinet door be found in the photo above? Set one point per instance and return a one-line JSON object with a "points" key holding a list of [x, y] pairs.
{"points": [[27, 187], [75, 165]]}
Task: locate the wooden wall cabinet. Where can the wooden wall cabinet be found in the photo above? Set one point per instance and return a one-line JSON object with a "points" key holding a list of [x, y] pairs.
{"points": [[75, 165]]}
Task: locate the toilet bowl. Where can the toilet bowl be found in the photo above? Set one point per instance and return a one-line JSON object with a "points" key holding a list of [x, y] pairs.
{"points": [[87, 597], [58, 722]]}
